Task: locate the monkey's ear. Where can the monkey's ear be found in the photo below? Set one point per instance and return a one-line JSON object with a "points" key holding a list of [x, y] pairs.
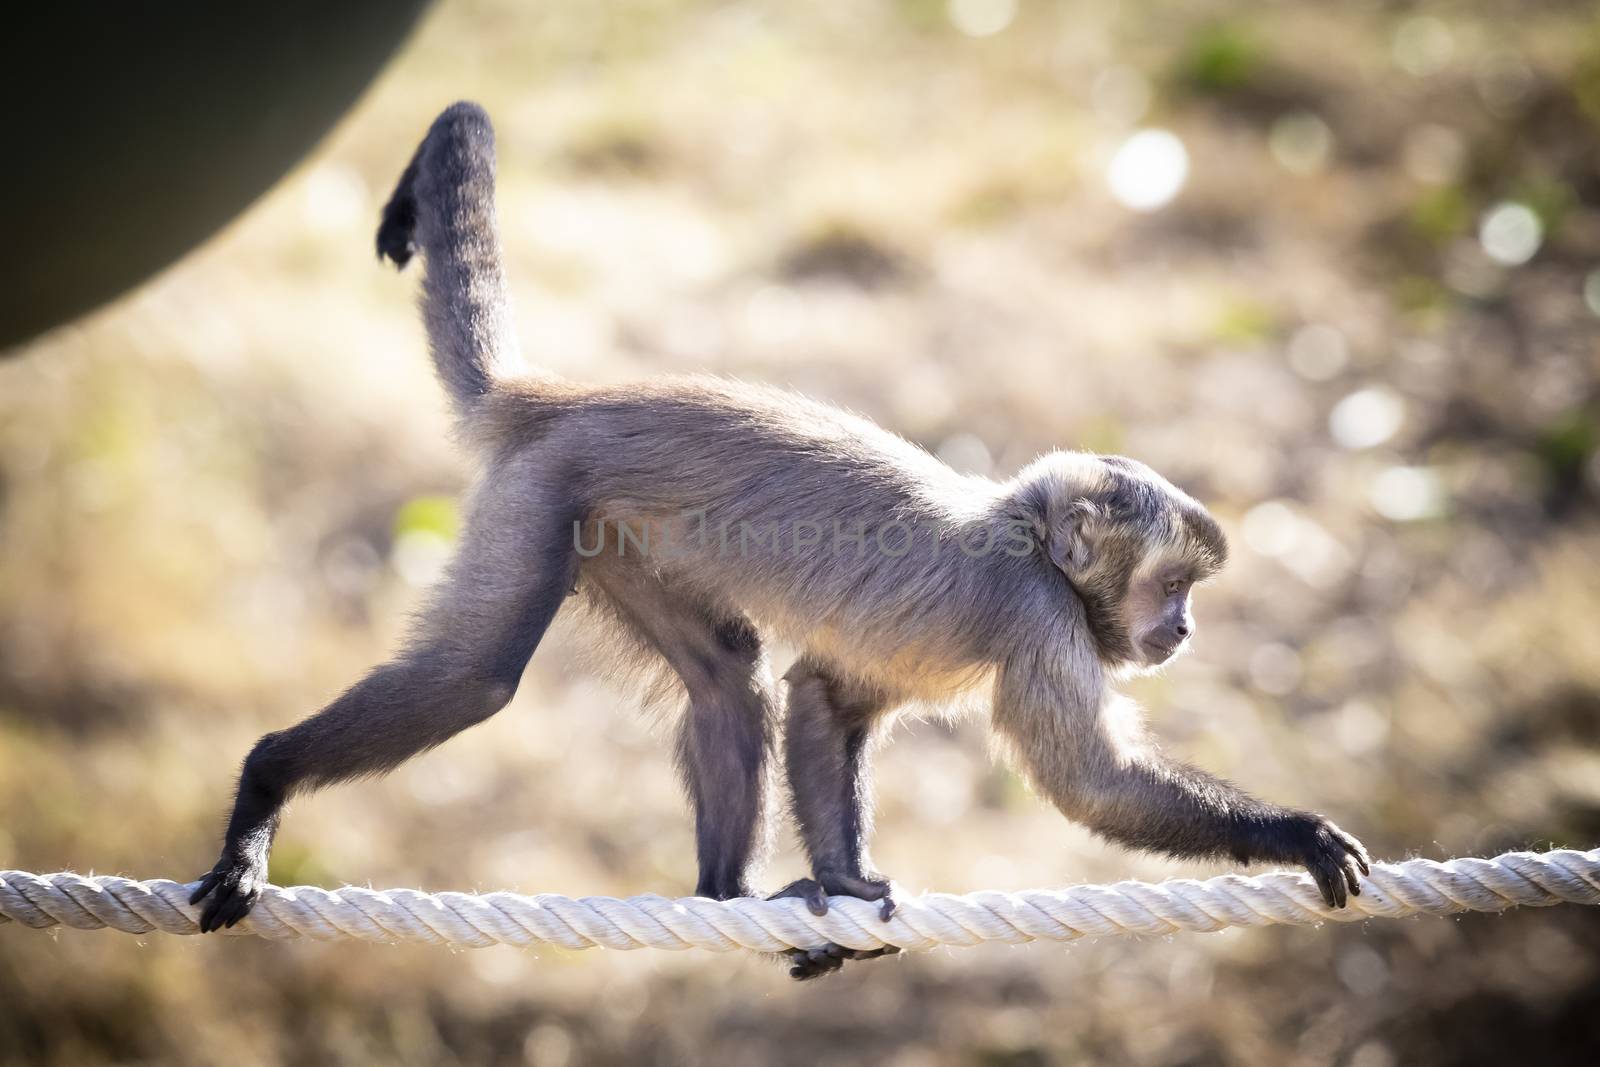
{"points": [[1070, 533]]}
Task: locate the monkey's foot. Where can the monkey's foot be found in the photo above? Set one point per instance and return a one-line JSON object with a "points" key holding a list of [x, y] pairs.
{"points": [[808, 963], [816, 891], [233, 886]]}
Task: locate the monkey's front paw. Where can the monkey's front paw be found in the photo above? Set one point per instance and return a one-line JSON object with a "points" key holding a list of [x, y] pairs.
{"points": [[816, 891], [808, 963], [1333, 857], [233, 887]]}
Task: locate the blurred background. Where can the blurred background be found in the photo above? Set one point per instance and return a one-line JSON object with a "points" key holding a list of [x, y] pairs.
{"points": [[1333, 268]]}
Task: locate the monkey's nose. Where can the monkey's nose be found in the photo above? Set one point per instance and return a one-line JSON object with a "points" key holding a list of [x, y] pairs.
{"points": [[1182, 630]]}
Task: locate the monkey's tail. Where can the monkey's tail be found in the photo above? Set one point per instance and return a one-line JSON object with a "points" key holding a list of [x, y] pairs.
{"points": [[444, 207]]}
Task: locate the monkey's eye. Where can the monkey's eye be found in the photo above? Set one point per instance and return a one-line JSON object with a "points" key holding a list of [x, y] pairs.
{"points": [[1176, 585]]}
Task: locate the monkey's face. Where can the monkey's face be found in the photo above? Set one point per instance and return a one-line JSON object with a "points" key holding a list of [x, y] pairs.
{"points": [[1136, 585], [1159, 617], [1132, 545]]}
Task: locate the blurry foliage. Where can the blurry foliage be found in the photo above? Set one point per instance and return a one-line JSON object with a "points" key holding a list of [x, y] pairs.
{"points": [[618, 149], [1221, 57], [988, 205], [1552, 200], [219, 500], [1442, 214], [844, 252], [1568, 442], [1243, 322], [296, 863], [924, 15], [1585, 78], [436, 515], [1105, 435], [1420, 296]]}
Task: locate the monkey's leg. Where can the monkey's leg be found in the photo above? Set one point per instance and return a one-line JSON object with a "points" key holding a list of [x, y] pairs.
{"points": [[723, 745], [461, 665], [827, 741], [726, 733]]}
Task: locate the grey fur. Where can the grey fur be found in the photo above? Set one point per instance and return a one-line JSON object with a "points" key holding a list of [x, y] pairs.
{"points": [[463, 289], [1098, 584]]}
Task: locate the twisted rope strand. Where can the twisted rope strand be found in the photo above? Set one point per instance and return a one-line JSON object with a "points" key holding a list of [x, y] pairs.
{"points": [[1419, 886]]}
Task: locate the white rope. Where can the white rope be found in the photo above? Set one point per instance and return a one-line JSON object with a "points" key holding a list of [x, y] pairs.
{"points": [[1393, 890]]}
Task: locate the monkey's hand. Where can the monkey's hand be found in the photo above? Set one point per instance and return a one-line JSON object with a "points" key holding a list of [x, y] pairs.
{"points": [[1332, 856], [233, 887]]}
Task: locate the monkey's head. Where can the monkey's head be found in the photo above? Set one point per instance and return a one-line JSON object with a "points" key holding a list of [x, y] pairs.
{"points": [[1132, 545]]}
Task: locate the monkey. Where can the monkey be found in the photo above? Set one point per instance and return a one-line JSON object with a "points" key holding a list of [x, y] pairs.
{"points": [[700, 519]]}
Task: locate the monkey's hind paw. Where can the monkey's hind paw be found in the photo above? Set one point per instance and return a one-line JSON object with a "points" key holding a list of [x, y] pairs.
{"points": [[808, 963], [233, 887], [816, 891]]}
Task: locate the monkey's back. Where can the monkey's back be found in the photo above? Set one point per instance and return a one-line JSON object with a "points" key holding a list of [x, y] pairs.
{"points": [[810, 519]]}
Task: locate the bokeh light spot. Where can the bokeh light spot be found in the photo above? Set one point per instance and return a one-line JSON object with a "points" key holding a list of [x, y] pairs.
{"points": [[1510, 233], [1406, 494], [1148, 170], [1318, 352], [967, 453], [334, 197], [1275, 669], [982, 18], [1433, 154], [1423, 45], [1505, 82], [1367, 417], [1271, 528], [1301, 143], [1120, 96]]}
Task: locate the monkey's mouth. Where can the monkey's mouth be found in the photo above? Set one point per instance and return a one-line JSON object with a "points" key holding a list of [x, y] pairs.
{"points": [[1156, 653]]}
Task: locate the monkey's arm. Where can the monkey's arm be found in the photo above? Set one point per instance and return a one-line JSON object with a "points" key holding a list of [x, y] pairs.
{"points": [[1088, 754]]}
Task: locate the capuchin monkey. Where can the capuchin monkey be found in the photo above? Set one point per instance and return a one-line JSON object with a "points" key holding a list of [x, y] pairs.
{"points": [[698, 517]]}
